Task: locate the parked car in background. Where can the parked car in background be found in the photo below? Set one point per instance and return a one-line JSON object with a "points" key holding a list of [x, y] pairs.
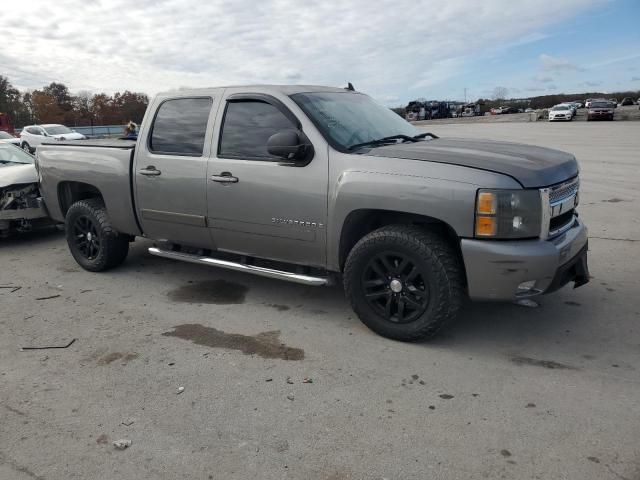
{"points": [[33, 135], [626, 101], [600, 110], [529, 110], [21, 207], [560, 112], [614, 101], [571, 106], [8, 138]]}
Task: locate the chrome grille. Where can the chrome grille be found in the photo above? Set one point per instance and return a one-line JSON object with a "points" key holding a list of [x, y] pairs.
{"points": [[564, 190], [558, 205]]}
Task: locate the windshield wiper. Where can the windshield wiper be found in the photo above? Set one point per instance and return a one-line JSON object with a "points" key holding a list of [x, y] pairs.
{"points": [[383, 140], [427, 134]]}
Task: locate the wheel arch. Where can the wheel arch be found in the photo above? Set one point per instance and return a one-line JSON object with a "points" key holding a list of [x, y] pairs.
{"points": [[361, 222], [70, 192]]}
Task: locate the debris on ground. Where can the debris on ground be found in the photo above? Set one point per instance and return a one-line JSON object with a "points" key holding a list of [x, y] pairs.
{"points": [[14, 288], [526, 302], [290, 397], [47, 298], [128, 423], [122, 444], [307, 380], [180, 390], [446, 396], [269, 380], [289, 381], [48, 347]]}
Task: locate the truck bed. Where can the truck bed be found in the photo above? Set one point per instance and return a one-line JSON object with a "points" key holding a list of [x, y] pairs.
{"points": [[70, 169]]}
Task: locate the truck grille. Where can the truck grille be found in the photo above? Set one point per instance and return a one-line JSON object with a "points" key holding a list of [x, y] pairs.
{"points": [[559, 202], [564, 191]]}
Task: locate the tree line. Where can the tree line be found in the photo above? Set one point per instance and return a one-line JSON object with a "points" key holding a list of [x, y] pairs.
{"points": [[54, 103], [499, 98]]}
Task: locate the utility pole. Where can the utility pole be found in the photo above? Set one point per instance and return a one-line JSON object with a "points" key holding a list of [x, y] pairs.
{"points": [[465, 95]]}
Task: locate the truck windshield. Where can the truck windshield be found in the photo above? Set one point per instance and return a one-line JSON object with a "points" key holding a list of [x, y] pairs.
{"points": [[347, 119]]}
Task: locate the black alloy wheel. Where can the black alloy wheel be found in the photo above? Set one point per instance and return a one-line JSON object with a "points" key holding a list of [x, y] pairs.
{"points": [[395, 287], [87, 239]]}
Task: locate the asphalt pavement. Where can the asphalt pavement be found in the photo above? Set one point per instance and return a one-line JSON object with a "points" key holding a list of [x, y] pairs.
{"points": [[220, 375]]}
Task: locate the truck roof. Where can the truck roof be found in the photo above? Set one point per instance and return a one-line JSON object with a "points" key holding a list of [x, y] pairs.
{"points": [[284, 89]]}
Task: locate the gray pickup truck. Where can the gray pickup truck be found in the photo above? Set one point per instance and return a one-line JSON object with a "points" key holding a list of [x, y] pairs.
{"points": [[316, 185]]}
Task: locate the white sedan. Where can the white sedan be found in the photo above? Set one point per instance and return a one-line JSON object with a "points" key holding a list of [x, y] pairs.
{"points": [[8, 138], [560, 112]]}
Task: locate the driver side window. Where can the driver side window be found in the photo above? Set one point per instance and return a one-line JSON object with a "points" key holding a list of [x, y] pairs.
{"points": [[247, 126]]}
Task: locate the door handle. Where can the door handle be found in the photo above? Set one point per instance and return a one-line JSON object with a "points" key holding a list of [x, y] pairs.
{"points": [[224, 177], [150, 171]]}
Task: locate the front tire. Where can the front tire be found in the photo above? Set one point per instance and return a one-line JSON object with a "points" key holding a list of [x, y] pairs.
{"points": [[92, 240], [26, 147], [404, 282]]}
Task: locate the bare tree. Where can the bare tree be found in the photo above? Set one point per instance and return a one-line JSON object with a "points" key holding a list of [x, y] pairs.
{"points": [[500, 93]]}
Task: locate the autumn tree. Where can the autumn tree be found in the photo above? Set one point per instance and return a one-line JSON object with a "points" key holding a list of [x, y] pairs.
{"points": [[130, 106]]}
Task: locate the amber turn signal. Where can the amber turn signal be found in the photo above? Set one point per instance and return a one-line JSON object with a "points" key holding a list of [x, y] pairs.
{"points": [[487, 203], [486, 226]]}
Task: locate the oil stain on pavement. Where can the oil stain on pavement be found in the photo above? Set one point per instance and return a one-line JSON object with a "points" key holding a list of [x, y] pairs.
{"points": [[541, 363], [218, 292], [265, 344], [112, 357]]}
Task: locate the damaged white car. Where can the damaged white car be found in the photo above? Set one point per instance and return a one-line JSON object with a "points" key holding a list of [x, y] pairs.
{"points": [[21, 207]]}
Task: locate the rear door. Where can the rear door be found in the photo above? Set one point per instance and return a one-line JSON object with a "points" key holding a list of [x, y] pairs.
{"points": [[257, 205], [170, 169]]}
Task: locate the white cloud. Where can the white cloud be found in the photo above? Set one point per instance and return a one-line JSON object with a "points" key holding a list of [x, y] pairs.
{"points": [[542, 79], [155, 45], [556, 64]]}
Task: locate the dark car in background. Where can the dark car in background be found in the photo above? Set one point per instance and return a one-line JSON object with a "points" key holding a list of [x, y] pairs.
{"points": [[626, 101], [600, 110]]}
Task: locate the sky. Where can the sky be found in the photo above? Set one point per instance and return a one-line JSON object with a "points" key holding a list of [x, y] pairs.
{"points": [[394, 50]]}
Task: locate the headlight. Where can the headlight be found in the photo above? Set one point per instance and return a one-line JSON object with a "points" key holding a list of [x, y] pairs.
{"points": [[507, 214]]}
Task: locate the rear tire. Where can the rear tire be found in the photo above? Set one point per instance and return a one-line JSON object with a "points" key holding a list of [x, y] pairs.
{"points": [[404, 282], [26, 147], [92, 240]]}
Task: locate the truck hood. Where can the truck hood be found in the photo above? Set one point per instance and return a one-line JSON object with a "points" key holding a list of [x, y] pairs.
{"points": [[17, 173], [531, 166]]}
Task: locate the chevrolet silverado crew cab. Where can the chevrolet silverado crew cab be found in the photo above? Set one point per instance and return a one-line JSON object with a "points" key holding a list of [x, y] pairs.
{"points": [[317, 185]]}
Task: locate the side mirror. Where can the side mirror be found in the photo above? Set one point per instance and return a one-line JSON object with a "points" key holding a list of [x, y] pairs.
{"points": [[292, 145]]}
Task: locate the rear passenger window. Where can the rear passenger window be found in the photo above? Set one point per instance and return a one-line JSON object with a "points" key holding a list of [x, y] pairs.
{"points": [[247, 127], [180, 126]]}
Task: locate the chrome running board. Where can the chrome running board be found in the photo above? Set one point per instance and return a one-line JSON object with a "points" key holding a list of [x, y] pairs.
{"points": [[240, 267]]}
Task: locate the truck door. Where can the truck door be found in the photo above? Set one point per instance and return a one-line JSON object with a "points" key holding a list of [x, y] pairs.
{"points": [[170, 170], [257, 205]]}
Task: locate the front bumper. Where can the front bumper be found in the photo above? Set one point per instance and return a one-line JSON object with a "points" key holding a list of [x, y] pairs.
{"points": [[495, 269]]}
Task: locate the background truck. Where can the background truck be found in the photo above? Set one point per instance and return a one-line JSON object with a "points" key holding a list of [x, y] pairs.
{"points": [[317, 185]]}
